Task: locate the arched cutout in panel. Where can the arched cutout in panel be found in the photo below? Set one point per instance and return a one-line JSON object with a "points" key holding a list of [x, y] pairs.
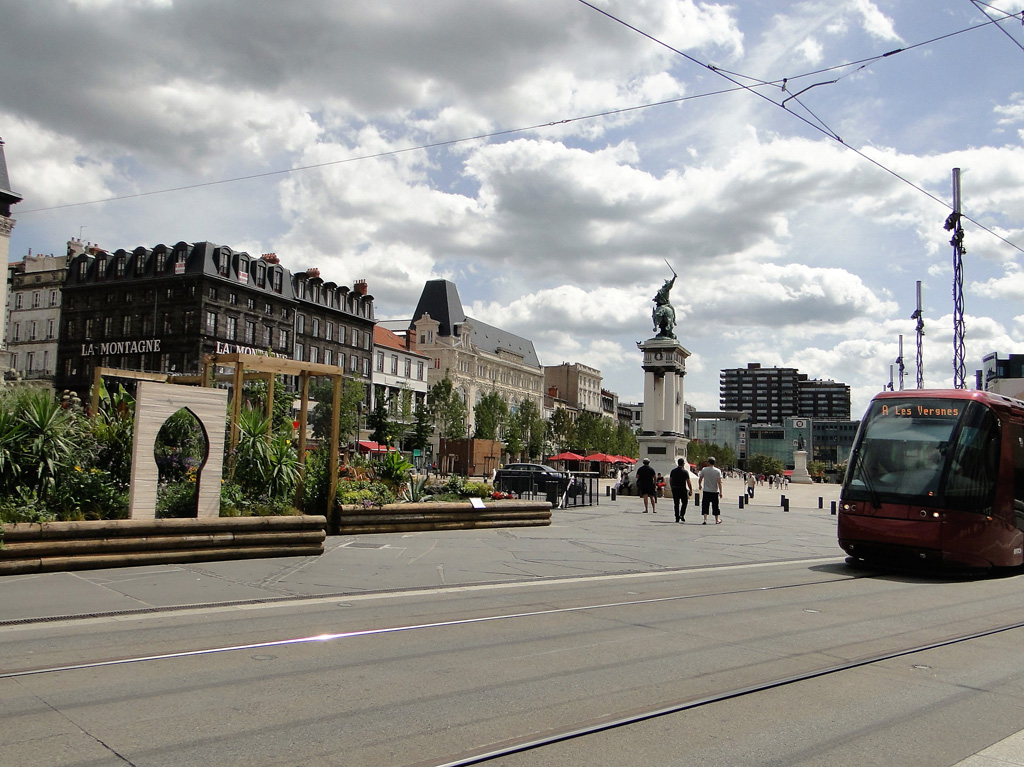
{"points": [[155, 403]]}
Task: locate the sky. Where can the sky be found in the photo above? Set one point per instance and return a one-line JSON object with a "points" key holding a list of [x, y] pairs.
{"points": [[557, 160]]}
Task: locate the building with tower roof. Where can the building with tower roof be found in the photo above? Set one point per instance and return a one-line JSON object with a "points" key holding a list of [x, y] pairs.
{"points": [[477, 357], [8, 197]]}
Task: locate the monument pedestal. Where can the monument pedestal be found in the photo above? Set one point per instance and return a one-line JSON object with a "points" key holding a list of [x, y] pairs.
{"points": [[662, 437], [800, 475]]}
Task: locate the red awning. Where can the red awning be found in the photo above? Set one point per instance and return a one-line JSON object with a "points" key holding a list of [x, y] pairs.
{"points": [[366, 446], [566, 457]]}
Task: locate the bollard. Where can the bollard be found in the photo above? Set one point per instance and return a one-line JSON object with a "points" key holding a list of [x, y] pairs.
{"points": [[608, 490], [782, 501], [785, 504], [833, 507], [742, 498], [613, 493], [821, 502], [696, 500]]}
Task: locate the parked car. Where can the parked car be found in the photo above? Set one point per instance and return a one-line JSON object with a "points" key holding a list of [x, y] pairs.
{"points": [[530, 478]]}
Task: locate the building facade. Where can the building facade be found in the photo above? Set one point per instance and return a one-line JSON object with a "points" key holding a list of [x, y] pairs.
{"points": [[578, 385], [33, 315], [399, 375], [478, 358], [770, 395], [1001, 376], [164, 309]]}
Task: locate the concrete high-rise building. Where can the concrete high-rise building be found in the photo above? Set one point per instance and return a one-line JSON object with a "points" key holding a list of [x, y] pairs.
{"points": [[770, 395], [7, 199]]}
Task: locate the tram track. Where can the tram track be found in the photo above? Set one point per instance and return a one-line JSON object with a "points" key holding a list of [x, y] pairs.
{"points": [[470, 695], [537, 741], [342, 635]]}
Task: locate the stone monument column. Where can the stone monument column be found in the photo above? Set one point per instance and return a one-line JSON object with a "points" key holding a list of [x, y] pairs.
{"points": [[663, 423]]}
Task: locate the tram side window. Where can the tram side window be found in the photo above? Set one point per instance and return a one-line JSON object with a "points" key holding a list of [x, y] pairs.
{"points": [[1015, 434], [975, 461]]}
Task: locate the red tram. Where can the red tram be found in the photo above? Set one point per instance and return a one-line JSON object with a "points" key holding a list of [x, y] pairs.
{"points": [[937, 476]]}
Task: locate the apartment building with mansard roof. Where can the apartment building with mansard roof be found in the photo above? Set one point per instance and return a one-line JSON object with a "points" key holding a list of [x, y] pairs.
{"points": [[163, 309]]}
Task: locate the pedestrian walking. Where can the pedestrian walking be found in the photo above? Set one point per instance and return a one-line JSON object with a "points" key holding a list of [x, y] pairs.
{"points": [[645, 486], [709, 482], [682, 488], [751, 481]]}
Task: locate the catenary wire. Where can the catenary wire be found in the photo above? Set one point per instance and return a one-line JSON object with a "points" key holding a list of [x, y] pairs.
{"points": [[822, 128], [816, 124], [978, 3]]}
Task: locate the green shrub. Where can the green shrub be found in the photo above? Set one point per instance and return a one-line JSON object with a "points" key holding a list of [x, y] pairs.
{"points": [[316, 482], [477, 490], [235, 501], [89, 494], [363, 492], [176, 500], [24, 506]]}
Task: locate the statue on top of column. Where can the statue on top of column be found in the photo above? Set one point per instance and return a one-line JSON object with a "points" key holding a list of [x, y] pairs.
{"points": [[664, 315]]}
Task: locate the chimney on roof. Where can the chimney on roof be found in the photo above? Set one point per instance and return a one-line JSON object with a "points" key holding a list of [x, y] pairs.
{"points": [[312, 272], [360, 287], [271, 258]]}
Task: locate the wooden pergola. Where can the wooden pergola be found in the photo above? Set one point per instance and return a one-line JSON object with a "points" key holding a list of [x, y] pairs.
{"points": [[254, 367]]}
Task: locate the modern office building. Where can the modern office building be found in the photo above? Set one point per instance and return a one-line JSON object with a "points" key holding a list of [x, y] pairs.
{"points": [[1001, 376], [164, 309], [771, 395]]}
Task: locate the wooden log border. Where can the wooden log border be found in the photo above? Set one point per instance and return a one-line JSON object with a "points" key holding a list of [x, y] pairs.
{"points": [[57, 546]]}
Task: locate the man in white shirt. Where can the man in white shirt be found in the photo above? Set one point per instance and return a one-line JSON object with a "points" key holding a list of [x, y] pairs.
{"points": [[709, 481]]}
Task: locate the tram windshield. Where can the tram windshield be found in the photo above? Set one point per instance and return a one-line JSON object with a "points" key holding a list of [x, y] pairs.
{"points": [[937, 452]]}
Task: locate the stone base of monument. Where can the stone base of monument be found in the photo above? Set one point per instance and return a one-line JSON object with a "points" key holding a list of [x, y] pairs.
{"points": [[800, 475], [663, 450]]}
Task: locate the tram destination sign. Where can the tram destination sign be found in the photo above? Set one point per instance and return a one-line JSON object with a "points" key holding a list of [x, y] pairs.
{"points": [[921, 410]]}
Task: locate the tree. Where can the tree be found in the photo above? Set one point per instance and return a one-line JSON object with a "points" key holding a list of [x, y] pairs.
{"points": [[322, 391], [422, 430], [447, 409], [763, 464], [526, 430], [699, 451], [490, 415], [380, 424], [563, 429]]}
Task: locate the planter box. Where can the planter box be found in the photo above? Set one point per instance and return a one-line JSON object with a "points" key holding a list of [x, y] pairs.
{"points": [[417, 517], [54, 546]]}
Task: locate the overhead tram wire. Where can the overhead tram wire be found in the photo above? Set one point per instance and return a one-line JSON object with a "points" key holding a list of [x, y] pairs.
{"points": [[378, 155], [739, 86], [978, 3], [822, 127], [780, 83]]}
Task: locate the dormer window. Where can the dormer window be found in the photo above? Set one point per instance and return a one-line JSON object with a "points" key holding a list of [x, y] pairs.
{"points": [[225, 265], [101, 268], [243, 270], [119, 266], [161, 262], [179, 263], [261, 275]]}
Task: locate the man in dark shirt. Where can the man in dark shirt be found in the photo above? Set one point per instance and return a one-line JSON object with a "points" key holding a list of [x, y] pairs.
{"points": [[682, 488]]}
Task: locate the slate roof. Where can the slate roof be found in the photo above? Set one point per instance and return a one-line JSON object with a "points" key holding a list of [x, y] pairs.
{"points": [[440, 299], [7, 197]]}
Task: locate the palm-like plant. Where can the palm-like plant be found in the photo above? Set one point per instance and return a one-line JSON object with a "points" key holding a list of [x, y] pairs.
{"points": [[49, 439]]}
